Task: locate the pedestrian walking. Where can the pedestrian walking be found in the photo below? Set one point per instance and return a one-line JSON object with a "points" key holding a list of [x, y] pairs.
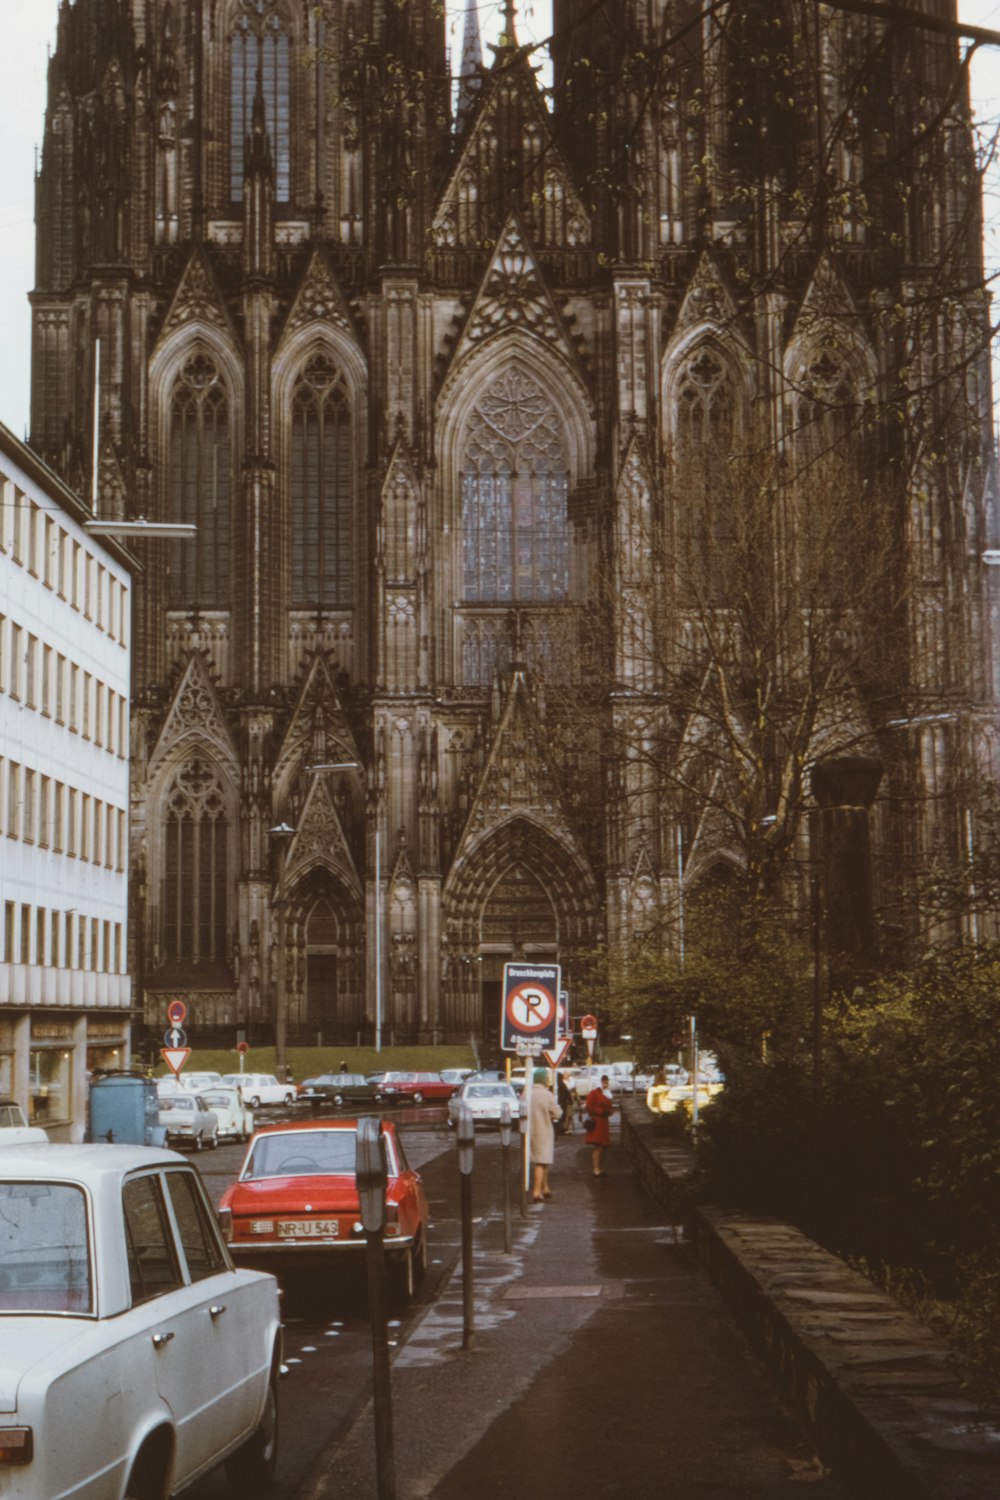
{"points": [[599, 1108], [564, 1094], [545, 1112]]}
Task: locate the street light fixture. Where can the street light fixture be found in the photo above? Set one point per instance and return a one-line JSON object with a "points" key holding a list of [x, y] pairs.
{"points": [[281, 835]]}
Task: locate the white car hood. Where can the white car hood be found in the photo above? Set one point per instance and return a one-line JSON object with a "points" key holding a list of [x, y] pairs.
{"points": [[26, 1342]]}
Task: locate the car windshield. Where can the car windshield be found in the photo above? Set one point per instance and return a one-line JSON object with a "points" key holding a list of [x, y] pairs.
{"points": [[486, 1091], [44, 1259], [302, 1153], [177, 1102], [10, 1115], [218, 1101]]}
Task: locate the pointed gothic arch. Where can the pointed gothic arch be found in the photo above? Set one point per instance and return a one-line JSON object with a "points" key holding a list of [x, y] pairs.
{"points": [[706, 419], [319, 400], [518, 891], [516, 438], [325, 934]]}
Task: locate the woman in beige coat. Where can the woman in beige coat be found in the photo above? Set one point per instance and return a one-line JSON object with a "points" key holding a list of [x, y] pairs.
{"points": [[545, 1112]]}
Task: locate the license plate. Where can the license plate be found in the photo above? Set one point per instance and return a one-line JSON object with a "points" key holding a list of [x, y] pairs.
{"points": [[308, 1229]]}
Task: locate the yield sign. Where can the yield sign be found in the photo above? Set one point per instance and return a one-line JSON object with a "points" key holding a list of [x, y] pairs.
{"points": [[554, 1055], [175, 1058]]}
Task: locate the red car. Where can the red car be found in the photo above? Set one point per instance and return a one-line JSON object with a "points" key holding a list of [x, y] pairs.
{"points": [[417, 1087], [296, 1201]]}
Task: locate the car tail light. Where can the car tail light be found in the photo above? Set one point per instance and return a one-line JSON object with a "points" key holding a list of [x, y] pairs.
{"points": [[261, 1226], [226, 1224], [391, 1219], [16, 1445]]}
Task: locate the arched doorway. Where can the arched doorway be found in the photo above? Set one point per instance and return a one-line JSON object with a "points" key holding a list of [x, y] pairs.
{"points": [[518, 921]]}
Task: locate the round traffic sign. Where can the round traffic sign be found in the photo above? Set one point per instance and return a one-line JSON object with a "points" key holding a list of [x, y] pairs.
{"points": [[177, 1012], [242, 1048], [588, 1027], [531, 1007]]}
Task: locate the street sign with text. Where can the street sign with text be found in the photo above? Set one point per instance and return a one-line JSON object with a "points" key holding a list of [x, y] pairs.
{"points": [[530, 1004]]}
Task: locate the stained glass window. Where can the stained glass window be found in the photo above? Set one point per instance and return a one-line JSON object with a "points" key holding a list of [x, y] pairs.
{"points": [[705, 413], [195, 874], [514, 492], [260, 49], [200, 462], [321, 489]]}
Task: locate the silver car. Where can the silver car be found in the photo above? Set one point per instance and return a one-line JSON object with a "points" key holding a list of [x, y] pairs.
{"points": [[485, 1101], [135, 1356], [188, 1120]]}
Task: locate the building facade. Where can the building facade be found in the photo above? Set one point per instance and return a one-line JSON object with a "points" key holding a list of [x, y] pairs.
{"points": [[65, 653], [464, 382]]}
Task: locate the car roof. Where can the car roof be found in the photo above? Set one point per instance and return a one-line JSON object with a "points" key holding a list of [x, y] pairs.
{"points": [[91, 1159], [349, 1123]]}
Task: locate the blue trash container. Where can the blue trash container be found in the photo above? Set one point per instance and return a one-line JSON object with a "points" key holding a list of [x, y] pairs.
{"points": [[125, 1109]]}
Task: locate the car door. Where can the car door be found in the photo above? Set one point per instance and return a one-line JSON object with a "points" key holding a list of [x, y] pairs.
{"points": [[178, 1324]]}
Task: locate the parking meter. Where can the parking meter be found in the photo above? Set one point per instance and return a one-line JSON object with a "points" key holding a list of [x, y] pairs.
{"points": [[505, 1123], [372, 1173], [466, 1139]]}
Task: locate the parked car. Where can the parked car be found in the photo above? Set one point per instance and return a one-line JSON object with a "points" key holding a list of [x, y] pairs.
{"points": [[135, 1356], [261, 1088], [338, 1089], [622, 1077], [187, 1118], [457, 1076], [485, 1099], [233, 1114], [432, 1088], [195, 1082], [14, 1128], [296, 1202]]}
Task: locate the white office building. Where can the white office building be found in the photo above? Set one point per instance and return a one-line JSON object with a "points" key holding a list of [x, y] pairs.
{"points": [[65, 622]]}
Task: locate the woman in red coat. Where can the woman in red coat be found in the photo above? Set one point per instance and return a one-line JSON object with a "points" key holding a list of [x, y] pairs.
{"points": [[599, 1108]]}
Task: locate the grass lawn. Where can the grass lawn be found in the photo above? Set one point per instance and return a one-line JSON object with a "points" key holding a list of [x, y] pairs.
{"points": [[304, 1062]]}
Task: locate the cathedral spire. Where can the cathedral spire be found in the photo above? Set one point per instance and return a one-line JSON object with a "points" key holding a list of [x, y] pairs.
{"points": [[508, 37], [471, 67]]}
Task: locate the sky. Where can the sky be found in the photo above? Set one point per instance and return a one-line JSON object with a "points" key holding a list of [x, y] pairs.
{"points": [[30, 29]]}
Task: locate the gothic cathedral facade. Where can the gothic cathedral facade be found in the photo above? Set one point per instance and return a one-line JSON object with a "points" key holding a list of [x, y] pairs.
{"points": [[421, 348]]}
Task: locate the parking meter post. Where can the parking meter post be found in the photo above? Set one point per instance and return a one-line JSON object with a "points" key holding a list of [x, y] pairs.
{"points": [[466, 1130], [372, 1175], [505, 1132], [522, 1110]]}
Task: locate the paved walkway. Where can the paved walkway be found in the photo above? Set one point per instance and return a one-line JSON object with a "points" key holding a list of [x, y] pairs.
{"points": [[603, 1364]]}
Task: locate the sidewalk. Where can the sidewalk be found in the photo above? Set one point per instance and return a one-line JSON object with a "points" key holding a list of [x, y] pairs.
{"points": [[603, 1363]]}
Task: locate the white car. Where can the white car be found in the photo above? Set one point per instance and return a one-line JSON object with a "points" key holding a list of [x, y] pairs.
{"points": [[186, 1117], [14, 1128], [134, 1357], [485, 1101], [261, 1088], [234, 1117]]}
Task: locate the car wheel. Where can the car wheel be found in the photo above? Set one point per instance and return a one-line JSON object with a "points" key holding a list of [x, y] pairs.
{"points": [[338, 1100], [199, 1143], [251, 1468], [255, 1102], [146, 1479], [401, 1279], [418, 1097], [377, 1098], [289, 1100], [213, 1141], [420, 1258]]}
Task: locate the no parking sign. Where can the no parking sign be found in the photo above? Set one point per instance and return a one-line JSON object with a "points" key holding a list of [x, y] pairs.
{"points": [[530, 1005]]}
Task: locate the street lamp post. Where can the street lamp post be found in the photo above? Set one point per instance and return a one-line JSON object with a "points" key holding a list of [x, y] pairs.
{"points": [[281, 835]]}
